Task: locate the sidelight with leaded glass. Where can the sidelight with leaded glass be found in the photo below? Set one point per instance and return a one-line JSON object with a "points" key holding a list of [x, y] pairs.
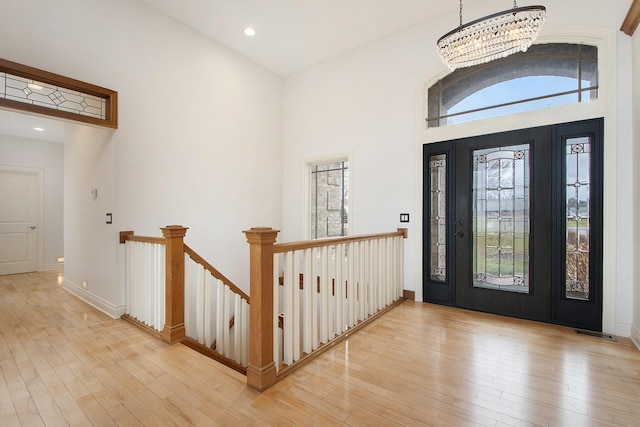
{"points": [[578, 160]]}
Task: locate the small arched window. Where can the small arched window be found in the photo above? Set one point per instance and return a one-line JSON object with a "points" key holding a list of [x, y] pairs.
{"points": [[546, 75]]}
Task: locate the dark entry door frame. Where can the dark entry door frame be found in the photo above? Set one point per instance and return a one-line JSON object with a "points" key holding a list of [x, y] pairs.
{"points": [[450, 282]]}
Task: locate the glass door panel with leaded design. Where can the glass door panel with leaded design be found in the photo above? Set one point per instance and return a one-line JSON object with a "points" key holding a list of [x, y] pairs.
{"points": [[500, 215], [513, 223], [503, 217]]}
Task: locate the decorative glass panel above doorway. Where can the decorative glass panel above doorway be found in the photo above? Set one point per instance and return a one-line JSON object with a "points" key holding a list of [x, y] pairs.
{"points": [[501, 218], [546, 75], [35, 91]]}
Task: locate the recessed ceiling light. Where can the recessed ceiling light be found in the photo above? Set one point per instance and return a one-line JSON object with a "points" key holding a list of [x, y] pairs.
{"points": [[250, 32], [38, 129], [34, 86]]}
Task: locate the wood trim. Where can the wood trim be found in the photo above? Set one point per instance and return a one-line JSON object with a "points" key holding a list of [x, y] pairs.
{"points": [[632, 19], [261, 373], [124, 236], [141, 325], [110, 96], [409, 295], [405, 232], [204, 350], [198, 259], [130, 237], [308, 244], [174, 329]]}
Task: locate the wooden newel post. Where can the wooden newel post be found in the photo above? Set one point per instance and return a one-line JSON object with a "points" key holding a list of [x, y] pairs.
{"points": [[261, 372], [174, 283]]}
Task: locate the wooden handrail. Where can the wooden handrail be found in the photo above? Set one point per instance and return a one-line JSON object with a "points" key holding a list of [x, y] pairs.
{"points": [[215, 273], [132, 238], [308, 244], [129, 236]]}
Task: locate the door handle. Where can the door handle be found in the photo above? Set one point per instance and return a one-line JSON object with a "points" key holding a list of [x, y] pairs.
{"points": [[33, 227], [460, 234]]}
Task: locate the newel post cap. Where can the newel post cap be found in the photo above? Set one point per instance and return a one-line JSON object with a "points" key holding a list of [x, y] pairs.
{"points": [[261, 235], [174, 231]]}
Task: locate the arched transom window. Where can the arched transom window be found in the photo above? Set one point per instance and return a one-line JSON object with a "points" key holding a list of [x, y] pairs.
{"points": [[546, 75]]}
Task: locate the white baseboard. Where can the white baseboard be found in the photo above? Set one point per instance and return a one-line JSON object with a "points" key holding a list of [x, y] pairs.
{"points": [[98, 303], [635, 336], [54, 267], [623, 330]]}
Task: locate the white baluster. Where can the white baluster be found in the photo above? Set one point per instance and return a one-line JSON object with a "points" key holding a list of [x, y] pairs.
{"points": [[325, 292], [339, 290], [200, 303], [314, 285], [161, 285], [208, 316], [352, 296], [287, 327], [295, 313], [219, 317], [226, 317], [400, 262], [308, 286], [237, 326], [244, 327], [277, 354]]}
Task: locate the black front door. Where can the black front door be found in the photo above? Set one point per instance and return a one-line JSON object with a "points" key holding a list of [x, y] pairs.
{"points": [[503, 218]]}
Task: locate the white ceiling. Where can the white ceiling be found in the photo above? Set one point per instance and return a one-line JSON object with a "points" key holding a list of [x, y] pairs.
{"points": [[294, 34], [291, 35], [21, 124]]}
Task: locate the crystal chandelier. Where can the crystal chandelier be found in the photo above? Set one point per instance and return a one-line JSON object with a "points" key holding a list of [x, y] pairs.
{"points": [[495, 36]]}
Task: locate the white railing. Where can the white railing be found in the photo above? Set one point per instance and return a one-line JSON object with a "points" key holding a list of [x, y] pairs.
{"points": [[330, 286], [191, 302], [216, 313], [145, 282]]}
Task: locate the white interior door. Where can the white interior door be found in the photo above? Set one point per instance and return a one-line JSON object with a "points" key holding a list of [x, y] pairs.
{"points": [[19, 188]]}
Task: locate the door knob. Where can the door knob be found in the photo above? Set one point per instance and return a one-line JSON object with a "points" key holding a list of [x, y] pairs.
{"points": [[33, 227], [460, 234]]}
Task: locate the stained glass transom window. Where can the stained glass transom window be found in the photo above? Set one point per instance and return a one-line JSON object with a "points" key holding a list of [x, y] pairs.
{"points": [[438, 201], [33, 92], [500, 218], [578, 160], [546, 75]]}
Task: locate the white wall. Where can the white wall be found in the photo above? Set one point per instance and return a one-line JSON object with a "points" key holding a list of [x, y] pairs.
{"points": [[369, 103], [635, 330], [31, 153], [198, 143]]}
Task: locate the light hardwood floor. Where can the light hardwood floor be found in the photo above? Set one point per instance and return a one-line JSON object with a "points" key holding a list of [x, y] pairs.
{"points": [[64, 363]]}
